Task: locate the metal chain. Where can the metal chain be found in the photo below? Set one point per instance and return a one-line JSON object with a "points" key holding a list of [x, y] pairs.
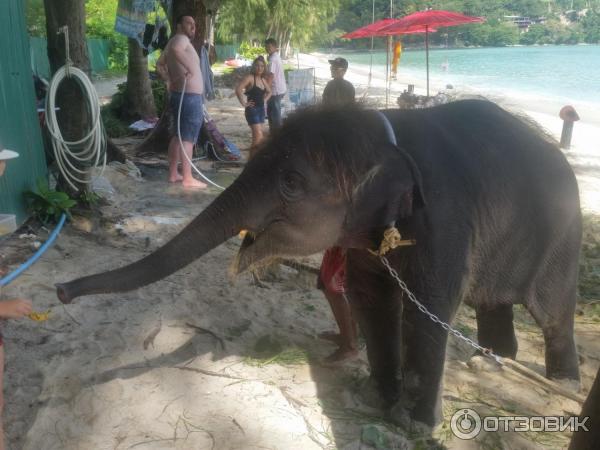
{"points": [[435, 319]]}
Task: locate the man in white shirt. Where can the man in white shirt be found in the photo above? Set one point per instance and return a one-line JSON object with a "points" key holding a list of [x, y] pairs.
{"points": [[278, 87]]}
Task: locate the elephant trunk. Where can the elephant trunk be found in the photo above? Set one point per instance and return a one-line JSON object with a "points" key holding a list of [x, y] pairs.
{"points": [[221, 220]]}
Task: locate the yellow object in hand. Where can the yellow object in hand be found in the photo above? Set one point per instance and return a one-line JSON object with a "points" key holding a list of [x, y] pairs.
{"points": [[39, 316]]}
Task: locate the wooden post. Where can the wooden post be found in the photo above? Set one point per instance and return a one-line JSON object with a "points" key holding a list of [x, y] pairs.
{"points": [[569, 117]]}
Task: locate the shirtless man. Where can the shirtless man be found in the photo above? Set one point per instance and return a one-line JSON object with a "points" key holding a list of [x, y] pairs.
{"points": [[179, 62]]}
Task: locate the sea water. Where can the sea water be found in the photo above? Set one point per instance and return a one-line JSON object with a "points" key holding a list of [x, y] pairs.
{"points": [[567, 74]]}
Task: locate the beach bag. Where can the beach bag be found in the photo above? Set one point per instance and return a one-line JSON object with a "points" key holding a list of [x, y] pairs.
{"points": [[215, 145]]}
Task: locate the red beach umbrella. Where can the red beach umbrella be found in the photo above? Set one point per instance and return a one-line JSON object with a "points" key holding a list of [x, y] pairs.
{"points": [[375, 29], [428, 19]]}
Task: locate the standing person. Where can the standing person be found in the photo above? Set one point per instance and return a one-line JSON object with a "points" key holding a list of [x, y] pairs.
{"points": [[332, 276], [278, 87], [257, 91], [179, 65], [338, 91], [15, 308], [332, 281]]}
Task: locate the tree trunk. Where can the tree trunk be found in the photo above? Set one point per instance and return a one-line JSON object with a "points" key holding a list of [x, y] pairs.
{"points": [[139, 102], [158, 140], [73, 116]]}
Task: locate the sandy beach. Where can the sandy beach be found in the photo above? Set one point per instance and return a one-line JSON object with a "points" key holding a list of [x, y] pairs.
{"points": [[197, 361]]}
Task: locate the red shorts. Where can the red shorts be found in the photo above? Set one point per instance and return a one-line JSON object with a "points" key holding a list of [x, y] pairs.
{"points": [[332, 277]]}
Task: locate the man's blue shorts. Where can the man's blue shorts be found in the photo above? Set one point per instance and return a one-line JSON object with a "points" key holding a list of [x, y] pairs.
{"points": [[255, 114], [192, 115]]}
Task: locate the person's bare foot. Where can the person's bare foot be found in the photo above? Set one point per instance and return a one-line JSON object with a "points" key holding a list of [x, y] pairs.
{"points": [[175, 179], [331, 336], [340, 356], [194, 184]]}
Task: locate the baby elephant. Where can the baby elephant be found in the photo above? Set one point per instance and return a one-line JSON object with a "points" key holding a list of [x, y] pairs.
{"points": [[491, 203]]}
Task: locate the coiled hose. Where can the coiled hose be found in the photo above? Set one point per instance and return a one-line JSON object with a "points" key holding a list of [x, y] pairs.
{"points": [[88, 151]]}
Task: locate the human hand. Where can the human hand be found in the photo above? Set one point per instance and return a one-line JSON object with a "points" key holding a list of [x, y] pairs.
{"points": [[15, 309], [250, 104]]}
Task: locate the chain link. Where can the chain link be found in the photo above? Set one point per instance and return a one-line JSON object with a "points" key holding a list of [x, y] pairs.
{"points": [[435, 319]]}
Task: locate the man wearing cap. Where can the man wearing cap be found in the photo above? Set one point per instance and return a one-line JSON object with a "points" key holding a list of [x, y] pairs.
{"points": [[332, 275], [338, 91]]}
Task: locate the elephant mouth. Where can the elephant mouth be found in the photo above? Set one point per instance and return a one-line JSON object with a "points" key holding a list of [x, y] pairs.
{"points": [[259, 249], [250, 256]]}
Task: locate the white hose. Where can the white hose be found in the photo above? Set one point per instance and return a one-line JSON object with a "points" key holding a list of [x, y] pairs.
{"points": [[183, 152], [90, 149]]}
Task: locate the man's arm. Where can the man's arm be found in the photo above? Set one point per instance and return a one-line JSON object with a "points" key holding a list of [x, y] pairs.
{"points": [[239, 90], [267, 91], [161, 67]]}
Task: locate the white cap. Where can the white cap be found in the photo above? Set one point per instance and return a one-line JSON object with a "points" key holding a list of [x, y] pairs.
{"points": [[7, 154]]}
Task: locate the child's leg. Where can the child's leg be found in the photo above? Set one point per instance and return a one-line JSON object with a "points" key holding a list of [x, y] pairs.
{"points": [[348, 347]]}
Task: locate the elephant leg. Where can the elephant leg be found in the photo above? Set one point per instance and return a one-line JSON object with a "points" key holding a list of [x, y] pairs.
{"points": [[561, 353], [377, 307], [423, 365], [495, 329]]}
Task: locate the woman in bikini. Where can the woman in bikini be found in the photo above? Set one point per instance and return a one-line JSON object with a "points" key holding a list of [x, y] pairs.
{"points": [[257, 91]]}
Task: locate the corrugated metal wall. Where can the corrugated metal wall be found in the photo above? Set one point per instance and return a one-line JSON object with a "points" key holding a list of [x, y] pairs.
{"points": [[226, 51], [97, 51], [19, 125]]}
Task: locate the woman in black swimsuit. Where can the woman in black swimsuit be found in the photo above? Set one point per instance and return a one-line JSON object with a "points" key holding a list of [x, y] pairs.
{"points": [[257, 92]]}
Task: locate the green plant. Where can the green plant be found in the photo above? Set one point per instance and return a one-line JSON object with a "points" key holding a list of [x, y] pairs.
{"points": [[89, 198], [47, 204], [247, 51]]}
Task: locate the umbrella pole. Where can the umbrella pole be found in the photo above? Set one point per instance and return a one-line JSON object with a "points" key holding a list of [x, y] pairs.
{"points": [[387, 71], [372, 41], [427, 54]]}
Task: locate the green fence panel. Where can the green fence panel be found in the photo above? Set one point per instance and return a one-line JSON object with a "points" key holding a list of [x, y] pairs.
{"points": [[97, 50], [226, 51], [98, 53], [19, 125], [39, 57]]}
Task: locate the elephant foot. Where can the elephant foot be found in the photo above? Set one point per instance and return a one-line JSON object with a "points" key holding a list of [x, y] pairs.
{"points": [[568, 383], [401, 416], [369, 395]]}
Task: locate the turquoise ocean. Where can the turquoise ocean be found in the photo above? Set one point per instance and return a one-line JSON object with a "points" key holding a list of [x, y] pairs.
{"points": [[567, 74]]}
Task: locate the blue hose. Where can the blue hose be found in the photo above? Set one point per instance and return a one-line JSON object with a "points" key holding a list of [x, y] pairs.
{"points": [[10, 277]]}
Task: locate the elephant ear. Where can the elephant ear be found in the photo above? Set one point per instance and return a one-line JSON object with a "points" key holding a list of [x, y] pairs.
{"points": [[390, 191]]}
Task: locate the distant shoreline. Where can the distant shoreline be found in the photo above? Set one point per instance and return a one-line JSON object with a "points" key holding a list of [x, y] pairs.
{"points": [[432, 47], [586, 133]]}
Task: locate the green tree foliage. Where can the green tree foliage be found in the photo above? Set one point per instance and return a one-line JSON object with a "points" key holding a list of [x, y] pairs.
{"points": [[591, 27], [300, 22], [100, 23], [36, 17], [322, 22]]}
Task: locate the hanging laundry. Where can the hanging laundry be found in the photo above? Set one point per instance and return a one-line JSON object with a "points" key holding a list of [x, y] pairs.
{"points": [[131, 17], [207, 74], [155, 37]]}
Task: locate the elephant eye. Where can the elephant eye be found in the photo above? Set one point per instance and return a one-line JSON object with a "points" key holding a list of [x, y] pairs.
{"points": [[291, 185]]}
